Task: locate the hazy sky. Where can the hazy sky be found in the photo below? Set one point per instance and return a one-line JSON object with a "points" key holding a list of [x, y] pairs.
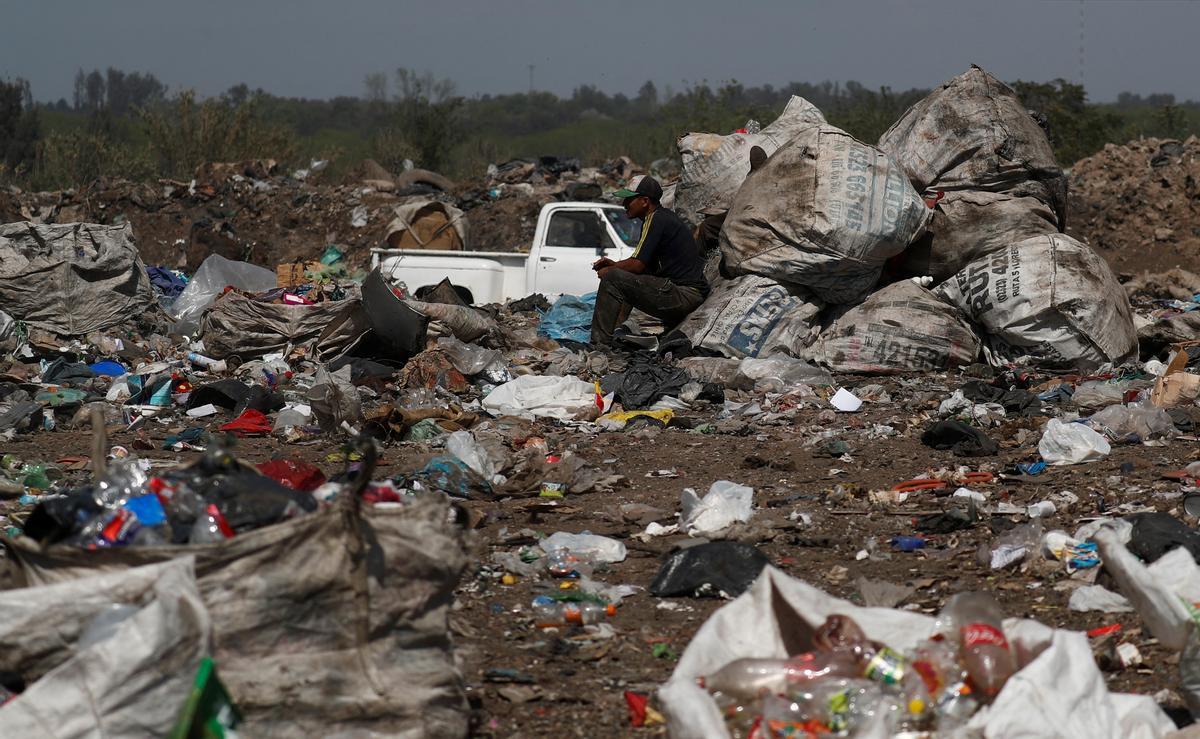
{"points": [[323, 48]]}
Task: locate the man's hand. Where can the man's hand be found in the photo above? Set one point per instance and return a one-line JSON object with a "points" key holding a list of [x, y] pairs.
{"points": [[601, 263]]}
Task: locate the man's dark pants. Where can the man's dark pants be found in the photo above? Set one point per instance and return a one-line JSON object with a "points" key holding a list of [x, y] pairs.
{"points": [[621, 291]]}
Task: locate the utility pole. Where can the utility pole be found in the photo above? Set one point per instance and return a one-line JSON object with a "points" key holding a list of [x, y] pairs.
{"points": [[1082, 39], [530, 79]]}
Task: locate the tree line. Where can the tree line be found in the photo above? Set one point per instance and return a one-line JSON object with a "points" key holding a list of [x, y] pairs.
{"points": [[128, 124]]}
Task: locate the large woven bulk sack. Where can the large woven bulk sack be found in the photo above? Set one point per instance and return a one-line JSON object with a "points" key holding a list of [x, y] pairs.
{"points": [[86, 680], [968, 225], [1049, 298], [752, 316], [72, 278], [714, 166], [330, 624], [236, 325], [901, 328], [973, 133], [825, 212]]}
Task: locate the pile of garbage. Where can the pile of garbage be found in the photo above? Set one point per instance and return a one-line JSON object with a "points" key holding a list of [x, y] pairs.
{"points": [[818, 231], [254, 211]]}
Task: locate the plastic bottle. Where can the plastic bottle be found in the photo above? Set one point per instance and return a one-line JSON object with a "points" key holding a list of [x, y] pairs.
{"points": [[210, 527], [565, 563], [937, 663], [976, 623], [878, 663], [548, 612], [123, 480], [208, 363], [750, 677]]}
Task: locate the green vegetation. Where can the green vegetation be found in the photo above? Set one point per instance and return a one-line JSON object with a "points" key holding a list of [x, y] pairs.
{"points": [[121, 124]]}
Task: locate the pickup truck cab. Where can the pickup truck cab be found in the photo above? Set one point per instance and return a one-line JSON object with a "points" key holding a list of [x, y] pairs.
{"points": [[568, 238]]}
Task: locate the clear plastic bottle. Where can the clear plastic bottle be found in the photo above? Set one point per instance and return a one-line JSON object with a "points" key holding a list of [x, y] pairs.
{"points": [[880, 664], [750, 677], [845, 707], [565, 563], [548, 612], [210, 527], [124, 479], [976, 624]]}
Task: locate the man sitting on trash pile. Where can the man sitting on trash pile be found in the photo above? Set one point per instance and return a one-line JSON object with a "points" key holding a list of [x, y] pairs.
{"points": [[665, 275]]}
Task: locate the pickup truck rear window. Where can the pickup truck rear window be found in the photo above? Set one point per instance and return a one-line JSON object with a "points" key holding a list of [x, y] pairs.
{"points": [[577, 228], [628, 229]]}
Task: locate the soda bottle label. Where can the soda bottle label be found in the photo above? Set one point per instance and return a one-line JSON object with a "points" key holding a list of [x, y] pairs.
{"points": [[839, 711], [887, 667], [982, 635]]}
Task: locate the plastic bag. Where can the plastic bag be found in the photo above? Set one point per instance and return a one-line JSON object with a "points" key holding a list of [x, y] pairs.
{"points": [[532, 395], [778, 616], [1133, 424], [569, 319], [725, 504], [334, 400], [464, 446], [1071, 443], [715, 568], [1097, 394], [592, 546], [468, 359], [214, 275]]}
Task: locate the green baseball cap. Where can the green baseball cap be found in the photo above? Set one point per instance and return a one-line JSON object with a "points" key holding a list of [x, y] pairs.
{"points": [[641, 185]]}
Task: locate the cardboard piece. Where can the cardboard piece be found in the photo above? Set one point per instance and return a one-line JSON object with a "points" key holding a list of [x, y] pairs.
{"points": [[1176, 386]]}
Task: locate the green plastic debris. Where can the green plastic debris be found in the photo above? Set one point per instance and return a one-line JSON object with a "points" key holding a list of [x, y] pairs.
{"points": [[209, 712], [332, 255], [424, 430], [64, 396]]}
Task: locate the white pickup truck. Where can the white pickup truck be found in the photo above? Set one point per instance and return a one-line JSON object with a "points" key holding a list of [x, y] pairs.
{"points": [[569, 237]]}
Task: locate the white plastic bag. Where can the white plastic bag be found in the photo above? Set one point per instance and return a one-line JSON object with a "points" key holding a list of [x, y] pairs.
{"points": [[539, 395], [592, 546], [1071, 443], [463, 445], [725, 504]]}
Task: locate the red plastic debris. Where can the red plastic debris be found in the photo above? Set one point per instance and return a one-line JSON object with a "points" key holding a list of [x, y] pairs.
{"points": [[1104, 630], [250, 423], [293, 473], [637, 707]]}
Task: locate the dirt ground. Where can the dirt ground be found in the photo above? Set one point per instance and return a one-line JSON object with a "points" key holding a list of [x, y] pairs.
{"points": [[523, 681]]}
